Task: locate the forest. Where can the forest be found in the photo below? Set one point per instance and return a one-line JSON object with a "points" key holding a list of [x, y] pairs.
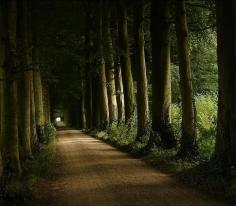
{"points": [[155, 79]]}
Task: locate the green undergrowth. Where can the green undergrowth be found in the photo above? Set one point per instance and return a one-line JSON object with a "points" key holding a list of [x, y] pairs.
{"points": [[24, 191]]}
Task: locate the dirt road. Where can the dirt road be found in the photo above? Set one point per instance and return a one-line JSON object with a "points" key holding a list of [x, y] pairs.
{"points": [[89, 172]]}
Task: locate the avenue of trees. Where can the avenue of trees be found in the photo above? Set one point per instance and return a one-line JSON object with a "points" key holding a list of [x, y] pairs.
{"points": [[122, 73], [24, 95]]}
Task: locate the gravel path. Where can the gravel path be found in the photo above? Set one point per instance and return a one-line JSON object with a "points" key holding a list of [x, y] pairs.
{"points": [[89, 172]]}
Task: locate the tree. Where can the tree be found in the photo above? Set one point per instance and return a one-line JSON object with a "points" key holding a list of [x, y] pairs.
{"points": [[104, 114], [10, 147], [2, 72], [88, 73], [118, 75], [125, 62], [142, 96], [161, 73], [226, 51], [24, 59], [188, 140], [110, 67]]}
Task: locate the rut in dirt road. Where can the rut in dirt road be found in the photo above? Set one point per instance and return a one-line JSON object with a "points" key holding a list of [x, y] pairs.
{"points": [[89, 172]]}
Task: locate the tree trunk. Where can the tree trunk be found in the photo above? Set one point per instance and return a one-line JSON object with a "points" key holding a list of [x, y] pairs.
{"points": [[11, 158], [26, 90], [88, 73], [142, 95], [102, 73], [110, 67], [96, 105], [226, 51], [126, 64], [46, 103], [119, 92], [34, 138], [83, 107], [38, 92], [2, 76], [161, 73], [2, 62], [188, 141]]}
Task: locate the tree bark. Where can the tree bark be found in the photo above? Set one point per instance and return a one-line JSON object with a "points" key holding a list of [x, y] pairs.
{"points": [[26, 90], [126, 63], [96, 102], [2, 64], [83, 106], [46, 102], [188, 140], [34, 138], [119, 92], [88, 74], [161, 73], [11, 158], [118, 77], [110, 66], [104, 114], [226, 51], [142, 95]]}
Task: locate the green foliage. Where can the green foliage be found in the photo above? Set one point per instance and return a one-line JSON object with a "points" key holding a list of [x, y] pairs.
{"points": [[176, 119], [206, 107], [122, 134], [24, 191], [46, 132], [49, 131]]}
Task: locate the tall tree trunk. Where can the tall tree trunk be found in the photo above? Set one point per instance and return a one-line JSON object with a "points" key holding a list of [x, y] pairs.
{"points": [[26, 90], [88, 73], [126, 63], [46, 102], [2, 62], [188, 140], [102, 73], [10, 142], [118, 77], [2, 75], [38, 94], [161, 73], [142, 96], [96, 105], [110, 66], [83, 106], [119, 92], [34, 138], [226, 51]]}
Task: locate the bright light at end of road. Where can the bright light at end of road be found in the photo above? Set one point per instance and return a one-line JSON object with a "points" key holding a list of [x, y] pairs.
{"points": [[58, 119]]}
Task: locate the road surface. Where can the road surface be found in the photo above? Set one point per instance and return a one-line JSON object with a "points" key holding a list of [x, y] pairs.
{"points": [[88, 172]]}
